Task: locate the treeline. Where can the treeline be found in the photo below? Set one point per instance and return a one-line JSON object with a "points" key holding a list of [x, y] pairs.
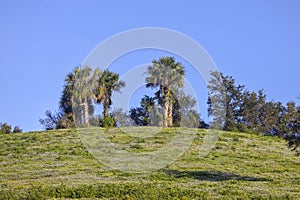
{"points": [[85, 88], [231, 106], [247, 111], [238, 109]]}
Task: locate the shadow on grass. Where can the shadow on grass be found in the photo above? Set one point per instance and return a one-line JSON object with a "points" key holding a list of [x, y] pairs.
{"points": [[212, 176]]}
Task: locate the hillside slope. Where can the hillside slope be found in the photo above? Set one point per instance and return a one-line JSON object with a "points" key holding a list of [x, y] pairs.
{"points": [[56, 164]]}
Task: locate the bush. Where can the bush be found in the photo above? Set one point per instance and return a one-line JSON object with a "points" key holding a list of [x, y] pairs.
{"points": [[108, 122]]}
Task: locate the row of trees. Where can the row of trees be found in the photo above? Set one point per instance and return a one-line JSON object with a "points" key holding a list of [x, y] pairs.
{"points": [[232, 107], [85, 88], [250, 111]]}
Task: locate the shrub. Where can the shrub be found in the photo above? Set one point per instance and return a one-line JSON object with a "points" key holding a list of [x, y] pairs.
{"points": [[17, 129], [108, 122]]}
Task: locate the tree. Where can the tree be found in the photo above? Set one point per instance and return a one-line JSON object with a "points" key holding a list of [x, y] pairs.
{"points": [[167, 75], [233, 102], [218, 103], [107, 83], [82, 94], [75, 96], [66, 99]]}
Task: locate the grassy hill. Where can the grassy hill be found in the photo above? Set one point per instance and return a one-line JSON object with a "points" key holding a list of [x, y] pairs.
{"points": [[56, 165]]}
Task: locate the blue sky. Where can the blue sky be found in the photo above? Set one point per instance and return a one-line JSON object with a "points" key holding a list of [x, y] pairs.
{"points": [[257, 42]]}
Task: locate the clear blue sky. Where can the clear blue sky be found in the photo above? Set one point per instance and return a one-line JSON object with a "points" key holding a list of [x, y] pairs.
{"points": [[257, 42]]}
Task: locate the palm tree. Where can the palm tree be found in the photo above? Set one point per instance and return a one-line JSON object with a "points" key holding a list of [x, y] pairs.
{"points": [[66, 99], [108, 82], [82, 93], [167, 75]]}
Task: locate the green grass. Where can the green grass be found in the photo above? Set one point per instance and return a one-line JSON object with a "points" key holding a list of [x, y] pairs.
{"points": [[56, 165]]}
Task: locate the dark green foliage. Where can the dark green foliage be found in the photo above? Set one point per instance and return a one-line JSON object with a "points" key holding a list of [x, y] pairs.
{"points": [[147, 114], [150, 113]]}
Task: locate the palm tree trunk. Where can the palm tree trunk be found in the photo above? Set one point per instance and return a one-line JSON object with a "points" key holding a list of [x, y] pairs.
{"points": [[165, 106], [170, 114], [86, 111], [165, 113], [105, 108]]}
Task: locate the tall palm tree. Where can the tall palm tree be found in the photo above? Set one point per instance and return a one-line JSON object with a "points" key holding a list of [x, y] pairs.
{"points": [[108, 83], [82, 93], [168, 75], [66, 99]]}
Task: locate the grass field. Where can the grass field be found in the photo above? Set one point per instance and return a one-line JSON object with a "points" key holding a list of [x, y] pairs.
{"points": [[56, 165]]}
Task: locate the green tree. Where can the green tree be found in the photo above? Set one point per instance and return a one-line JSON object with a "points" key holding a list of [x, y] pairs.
{"points": [[107, 83], [167, 75]]}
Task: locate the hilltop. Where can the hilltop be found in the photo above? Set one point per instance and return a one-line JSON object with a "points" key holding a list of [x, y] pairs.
{"points": [[56, 164]]}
